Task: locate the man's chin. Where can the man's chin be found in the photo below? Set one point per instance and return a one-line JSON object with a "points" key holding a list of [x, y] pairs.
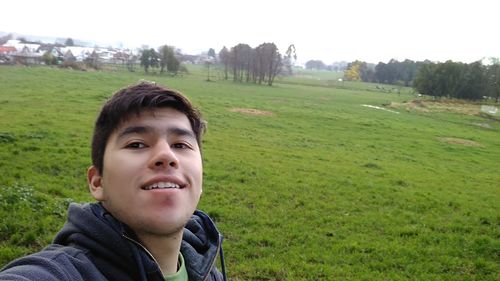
{"points": [[163, 228]]}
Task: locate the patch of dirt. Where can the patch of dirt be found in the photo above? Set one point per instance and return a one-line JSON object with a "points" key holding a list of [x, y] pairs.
{"points": [[439, 106], [463, 142], [252, 111]]}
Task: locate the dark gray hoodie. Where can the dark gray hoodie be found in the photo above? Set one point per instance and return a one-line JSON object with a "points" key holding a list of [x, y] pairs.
{"points": [[93, 245]]}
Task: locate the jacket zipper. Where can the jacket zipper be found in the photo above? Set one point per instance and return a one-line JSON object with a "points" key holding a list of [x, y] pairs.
{"points": [[152, 257], [214, 258], [146, 250]]}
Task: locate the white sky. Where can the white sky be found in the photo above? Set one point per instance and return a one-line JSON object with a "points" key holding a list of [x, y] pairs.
{"points": [[372, 31]]}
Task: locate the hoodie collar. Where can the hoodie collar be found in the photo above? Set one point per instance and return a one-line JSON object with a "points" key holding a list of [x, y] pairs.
{"points": [[115, 247]]}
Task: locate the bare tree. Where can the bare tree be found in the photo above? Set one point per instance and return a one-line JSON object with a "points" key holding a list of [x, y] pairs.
{"points": [[225, 58], [289, 59], [239, 56], [270, 62], [259, 65], [131, 62]]}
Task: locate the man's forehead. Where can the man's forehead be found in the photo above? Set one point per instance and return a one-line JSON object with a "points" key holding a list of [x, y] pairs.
{"points": [[146, 115], [155, 119]]}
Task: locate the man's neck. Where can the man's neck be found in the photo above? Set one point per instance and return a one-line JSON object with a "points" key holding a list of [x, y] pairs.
{"points": [[165, 250]]}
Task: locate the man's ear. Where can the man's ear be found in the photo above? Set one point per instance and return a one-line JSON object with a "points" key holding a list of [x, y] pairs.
{"points": [[94, 179]]}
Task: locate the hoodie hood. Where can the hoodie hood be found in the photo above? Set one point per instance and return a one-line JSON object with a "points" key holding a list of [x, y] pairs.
{"points": [[115, 251], [201, 242]]}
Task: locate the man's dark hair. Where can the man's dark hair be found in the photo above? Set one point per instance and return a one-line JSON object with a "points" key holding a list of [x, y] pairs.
{"points": [[133, 100]]}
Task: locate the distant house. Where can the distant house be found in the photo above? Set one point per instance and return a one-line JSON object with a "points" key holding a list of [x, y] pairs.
{"points": [[105, 55], [31, 47], [53, 50], [5, 53], [5, 50], [122, 57], [27, 56], [80, 53], [68, 56]]}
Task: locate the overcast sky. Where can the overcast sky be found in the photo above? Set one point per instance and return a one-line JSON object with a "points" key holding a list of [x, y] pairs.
{"points": [[372, 31]]}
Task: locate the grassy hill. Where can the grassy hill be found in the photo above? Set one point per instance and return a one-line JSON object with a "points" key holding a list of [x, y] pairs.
{"points": [[304, 181]]}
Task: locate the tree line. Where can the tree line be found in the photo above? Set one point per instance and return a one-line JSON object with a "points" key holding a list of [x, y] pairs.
{"points": [[240, 63], [164, 58], [257, 65], [450, 79], [394, 72], [471, 81]]}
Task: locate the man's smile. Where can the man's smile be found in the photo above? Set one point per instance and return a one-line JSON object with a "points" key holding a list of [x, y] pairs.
{"points": [[162, 185], [164, 182]]}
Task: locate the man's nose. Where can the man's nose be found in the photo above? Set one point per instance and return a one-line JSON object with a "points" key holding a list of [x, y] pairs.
{"points": [[163, 156]]}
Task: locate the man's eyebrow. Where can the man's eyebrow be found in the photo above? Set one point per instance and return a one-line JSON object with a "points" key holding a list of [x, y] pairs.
{"points": [[181, 132], [135, 130], [148, 130]]}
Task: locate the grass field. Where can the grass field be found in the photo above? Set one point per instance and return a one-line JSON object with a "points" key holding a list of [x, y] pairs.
{"points": [[313, 186]]}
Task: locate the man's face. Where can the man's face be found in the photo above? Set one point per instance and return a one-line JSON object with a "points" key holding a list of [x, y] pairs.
{"points": [[152, 172]]}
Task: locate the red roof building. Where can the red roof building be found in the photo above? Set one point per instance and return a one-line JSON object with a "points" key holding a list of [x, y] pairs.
{"points": [[7, 50]]}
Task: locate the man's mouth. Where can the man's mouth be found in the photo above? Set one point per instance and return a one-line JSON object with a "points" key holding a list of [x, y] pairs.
{"points": [[162, 185]]}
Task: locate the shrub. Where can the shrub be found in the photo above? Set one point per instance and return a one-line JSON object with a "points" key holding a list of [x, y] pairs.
{"points": [[49, 59], [73, 65]]}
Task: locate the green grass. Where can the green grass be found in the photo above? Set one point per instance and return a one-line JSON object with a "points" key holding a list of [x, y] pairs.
{"points": [[323, 189]]}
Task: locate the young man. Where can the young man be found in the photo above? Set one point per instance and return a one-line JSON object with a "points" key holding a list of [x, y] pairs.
{"points": [[146, 175]]}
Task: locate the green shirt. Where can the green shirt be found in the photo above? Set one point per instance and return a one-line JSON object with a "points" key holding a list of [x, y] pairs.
{"points": [[181, 274]]}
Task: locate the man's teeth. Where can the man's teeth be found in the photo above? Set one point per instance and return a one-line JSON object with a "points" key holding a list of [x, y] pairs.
{"points": [[162, 185]]}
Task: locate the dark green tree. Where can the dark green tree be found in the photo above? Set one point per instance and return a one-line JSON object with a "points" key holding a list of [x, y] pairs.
{"points": [[211, 53], [449, 76], [452, 80], [69, 42], [315, 64], [407, 73], [473, 82], [425, 82], [380, 72], [173, 64], [166, 53], [48, 58], [149, 58], [395, 72], [493, 75]]}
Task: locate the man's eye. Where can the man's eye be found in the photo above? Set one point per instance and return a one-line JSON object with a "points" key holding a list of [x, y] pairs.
{"points": [[180, 145], [136, 145]]}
